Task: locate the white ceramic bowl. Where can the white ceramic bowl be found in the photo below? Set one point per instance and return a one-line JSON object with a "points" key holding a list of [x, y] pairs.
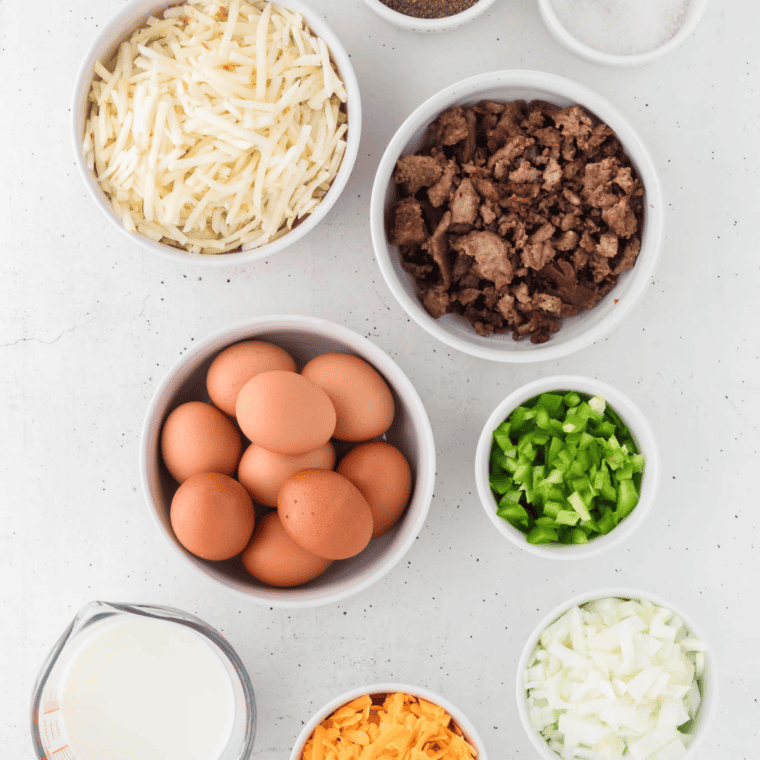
{"points": [[468, 730], [576, 332], [103, 48], [413, 24], [708, 684], [304, 337], [640, 431], [694, 13]]}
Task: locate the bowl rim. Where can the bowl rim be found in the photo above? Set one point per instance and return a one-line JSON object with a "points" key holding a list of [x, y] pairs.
{"points": [[138, 9], [415, 24], [709, 695], [639, 427], [426, 468], [593, 55], [468, 89], [380, 688]]}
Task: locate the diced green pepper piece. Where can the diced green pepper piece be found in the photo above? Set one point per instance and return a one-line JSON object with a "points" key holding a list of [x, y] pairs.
{"points": [[504, 443], [552, 402], [566, 517], [515, 515], [502, 483], [627, 498], [542, 418], [577, 536], [542, 534], [606, 522], [576, 502], [511, 497]]}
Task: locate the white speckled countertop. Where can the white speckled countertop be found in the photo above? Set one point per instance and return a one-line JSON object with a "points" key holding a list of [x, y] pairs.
{"points": [[89, 323]]}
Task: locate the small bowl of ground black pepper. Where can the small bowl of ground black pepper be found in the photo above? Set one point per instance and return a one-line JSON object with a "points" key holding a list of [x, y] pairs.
{"points": [[428, 15]]}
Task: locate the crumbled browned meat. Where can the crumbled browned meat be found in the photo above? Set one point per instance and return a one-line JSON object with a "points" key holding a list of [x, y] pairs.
{"points": [[567, 241], [415, 172], [438, 247], [525, 172], [508, 125], [552, 175], [506, 307], [437, 301], [596, 181], [537, 255], [621, 218], [546, 302], [467, 295], [486, 188], [408, 224], [491, 254], [534, 211], [500, 161], [574, 122], [600, 266], [488, 213], [465, 203], [451, 126], [628, 259], [466, 148], [608, 245], [440, 192]]}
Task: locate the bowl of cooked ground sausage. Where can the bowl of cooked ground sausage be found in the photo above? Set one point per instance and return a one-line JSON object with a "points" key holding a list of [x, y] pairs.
{"points": [[517, 216]]}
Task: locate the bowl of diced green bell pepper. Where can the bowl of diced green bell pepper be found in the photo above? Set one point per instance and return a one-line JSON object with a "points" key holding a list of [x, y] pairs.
{"points": [[567, 467]]}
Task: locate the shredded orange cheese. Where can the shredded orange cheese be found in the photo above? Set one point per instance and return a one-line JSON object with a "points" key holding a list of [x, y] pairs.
{"points": [[391, 727]]}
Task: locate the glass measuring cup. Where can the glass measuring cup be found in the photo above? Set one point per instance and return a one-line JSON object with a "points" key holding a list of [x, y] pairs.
{"points": [[50, 735]]}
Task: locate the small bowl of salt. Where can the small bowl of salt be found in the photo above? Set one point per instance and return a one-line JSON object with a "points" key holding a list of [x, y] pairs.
{"points": [[621, 32]]}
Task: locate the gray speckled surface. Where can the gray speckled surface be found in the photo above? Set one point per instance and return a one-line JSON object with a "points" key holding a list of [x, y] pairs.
{"points": [[89, 324]]}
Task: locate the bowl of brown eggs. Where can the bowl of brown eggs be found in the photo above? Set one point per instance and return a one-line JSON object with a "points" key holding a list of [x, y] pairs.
{"points": [[288, 459]]}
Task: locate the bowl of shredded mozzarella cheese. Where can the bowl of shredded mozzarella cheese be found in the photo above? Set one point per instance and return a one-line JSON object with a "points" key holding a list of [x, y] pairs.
{"points": [[216, 131], [616, 674]]}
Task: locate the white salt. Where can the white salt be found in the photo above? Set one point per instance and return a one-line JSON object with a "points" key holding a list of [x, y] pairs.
{"points": [[622, 27]]}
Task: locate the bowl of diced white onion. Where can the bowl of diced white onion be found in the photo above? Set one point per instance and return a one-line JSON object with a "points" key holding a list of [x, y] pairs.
{"points": [[616, 673], [216, 131]]}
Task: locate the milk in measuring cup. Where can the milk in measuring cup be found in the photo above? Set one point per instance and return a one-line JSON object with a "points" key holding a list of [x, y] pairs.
{"points": [[140, 687]]}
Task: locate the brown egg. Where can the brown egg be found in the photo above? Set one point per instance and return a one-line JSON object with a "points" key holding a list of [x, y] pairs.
{"points": [[380, 471], [285, 413], [195, 438], [363, 402], [325, 513], [236, 365], [274, 558], [262, 472], [212, 516]]}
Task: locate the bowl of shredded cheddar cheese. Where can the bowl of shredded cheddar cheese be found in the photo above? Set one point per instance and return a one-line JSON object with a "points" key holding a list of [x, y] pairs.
{"points": [[388, 721], [216, 131]]}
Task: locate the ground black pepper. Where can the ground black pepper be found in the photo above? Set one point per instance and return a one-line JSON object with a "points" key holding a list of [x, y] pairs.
{"points": [[429, 8]]}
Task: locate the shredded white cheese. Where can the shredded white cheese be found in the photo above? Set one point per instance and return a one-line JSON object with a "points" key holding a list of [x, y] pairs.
{"points": [[217, 126]]}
